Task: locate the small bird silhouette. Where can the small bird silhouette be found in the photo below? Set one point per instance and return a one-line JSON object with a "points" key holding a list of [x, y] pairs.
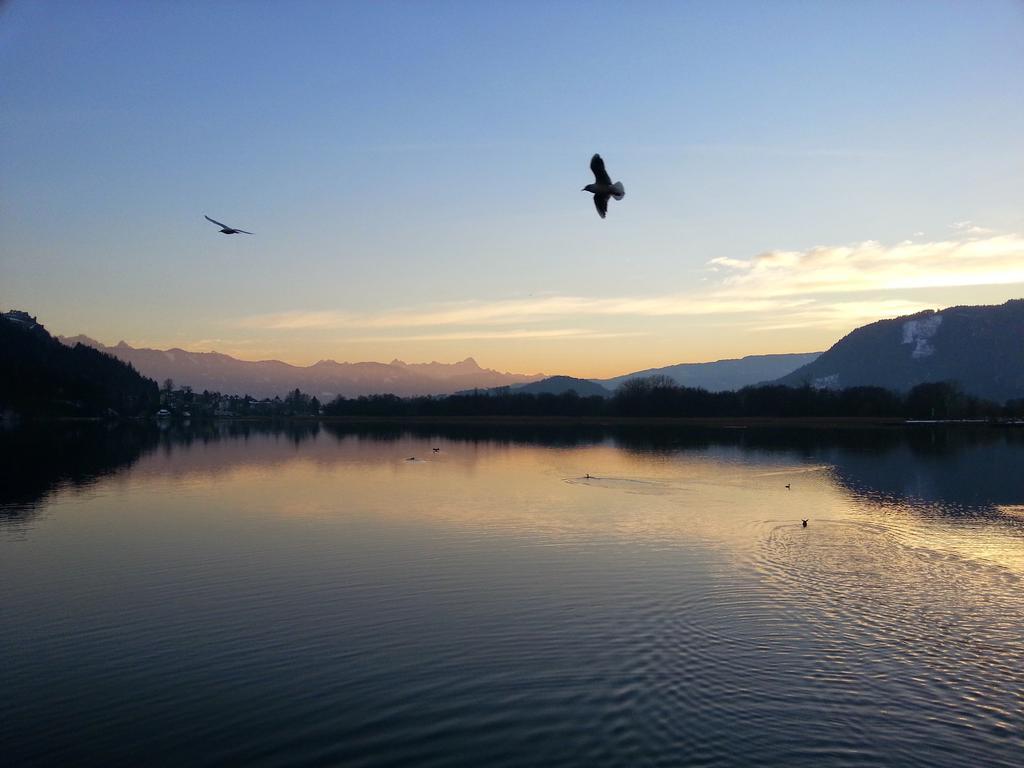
{"points": [[225, 228], [603, 187], [437, 450], [805, 523], [787, 485]]}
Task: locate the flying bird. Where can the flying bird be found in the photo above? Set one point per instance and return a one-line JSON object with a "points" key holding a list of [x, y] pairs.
{"points": [[225, 228], [603, 187]]}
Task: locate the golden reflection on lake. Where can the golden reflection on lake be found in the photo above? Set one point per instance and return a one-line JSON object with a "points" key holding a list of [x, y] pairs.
{"points": [[620, 597]]}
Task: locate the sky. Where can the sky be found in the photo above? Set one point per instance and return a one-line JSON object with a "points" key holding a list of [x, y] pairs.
{"points": [[412, 173]]}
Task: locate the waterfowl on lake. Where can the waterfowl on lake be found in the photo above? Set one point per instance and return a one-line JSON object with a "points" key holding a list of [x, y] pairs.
{"points": [[805, 523]]}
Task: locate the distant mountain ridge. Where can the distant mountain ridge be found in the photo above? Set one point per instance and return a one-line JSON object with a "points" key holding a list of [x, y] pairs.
{"points": [[722, 375], [979, 347], [326, 379], [559, 385], [552, 385]]}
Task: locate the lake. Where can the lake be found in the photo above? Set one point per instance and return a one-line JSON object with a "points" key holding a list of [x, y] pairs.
{"points": [[319, 595]]}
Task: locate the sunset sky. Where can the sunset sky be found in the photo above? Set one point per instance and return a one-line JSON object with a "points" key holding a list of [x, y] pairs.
{"points": [[412, 172]]}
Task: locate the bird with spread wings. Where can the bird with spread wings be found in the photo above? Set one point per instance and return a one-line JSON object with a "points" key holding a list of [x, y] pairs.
{"points": [[602, 188], [225, 229]]}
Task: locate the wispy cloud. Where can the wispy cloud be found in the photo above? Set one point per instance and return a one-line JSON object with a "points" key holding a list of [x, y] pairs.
{"points": [[773, 290], [512, 311], [970, 228], [558, 333], [843, 314], [873, 266]]}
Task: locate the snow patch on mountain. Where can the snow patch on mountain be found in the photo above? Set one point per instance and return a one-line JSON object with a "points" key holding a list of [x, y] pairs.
{"points": [[920, 333], [826, 382]]}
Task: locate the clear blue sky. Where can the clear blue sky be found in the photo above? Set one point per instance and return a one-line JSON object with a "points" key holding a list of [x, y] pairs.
{"points": [[412, 171]]}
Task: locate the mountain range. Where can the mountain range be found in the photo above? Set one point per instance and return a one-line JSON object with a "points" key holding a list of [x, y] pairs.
{"points": [[981, 348], [326, 379], [717, 376], [722, 375]]}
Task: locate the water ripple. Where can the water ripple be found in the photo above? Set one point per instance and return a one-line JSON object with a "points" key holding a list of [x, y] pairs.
{"points": [[495, 608]]}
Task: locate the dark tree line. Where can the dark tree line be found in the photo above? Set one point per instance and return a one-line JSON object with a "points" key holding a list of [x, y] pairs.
{"points": [[41, 376], [659, 396]]}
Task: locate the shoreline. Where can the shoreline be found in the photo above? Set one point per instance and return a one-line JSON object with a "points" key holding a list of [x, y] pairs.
{"points": [[720, 422], [620, 421]]}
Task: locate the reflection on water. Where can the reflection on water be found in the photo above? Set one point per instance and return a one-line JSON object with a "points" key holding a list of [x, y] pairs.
{"points": [[963, 471], [307, 595]]}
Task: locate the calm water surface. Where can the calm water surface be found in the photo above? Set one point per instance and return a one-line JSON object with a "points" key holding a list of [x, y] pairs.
{"points": [[311, 596]]}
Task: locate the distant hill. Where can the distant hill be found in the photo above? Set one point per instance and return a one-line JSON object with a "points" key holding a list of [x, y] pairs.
{"points": [[326, 379], [552, 385], [722, 375], [42, 376], [980, 348], [559, 385]]}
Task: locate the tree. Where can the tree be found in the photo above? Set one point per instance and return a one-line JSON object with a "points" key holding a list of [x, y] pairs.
{"points": [[935, 400]]}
